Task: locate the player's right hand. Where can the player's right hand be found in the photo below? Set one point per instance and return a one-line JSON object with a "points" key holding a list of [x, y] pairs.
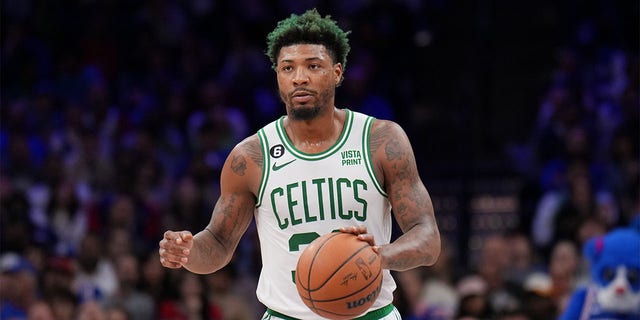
{"points": [[175, 248]]}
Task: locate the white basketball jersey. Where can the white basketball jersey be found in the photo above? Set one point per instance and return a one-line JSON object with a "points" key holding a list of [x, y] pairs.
{"points": [[303, 196]]}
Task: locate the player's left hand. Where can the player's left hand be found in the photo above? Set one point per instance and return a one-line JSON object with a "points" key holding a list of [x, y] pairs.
{"points": [[361, 232]]}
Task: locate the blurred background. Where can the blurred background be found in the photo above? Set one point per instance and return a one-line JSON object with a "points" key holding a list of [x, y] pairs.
{"points": [[116, 117]]}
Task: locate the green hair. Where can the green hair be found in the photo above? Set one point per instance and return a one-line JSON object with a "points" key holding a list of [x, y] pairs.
{"points": [[309, 28]]}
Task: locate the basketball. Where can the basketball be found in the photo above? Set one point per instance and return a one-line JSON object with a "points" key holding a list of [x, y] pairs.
{"points": [[338, 276]]}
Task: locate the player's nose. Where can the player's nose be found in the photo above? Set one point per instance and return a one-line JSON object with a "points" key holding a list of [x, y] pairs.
{"points": [[300, 77]]}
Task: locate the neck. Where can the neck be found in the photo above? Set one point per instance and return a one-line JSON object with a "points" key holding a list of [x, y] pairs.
{"points": [[317, 134]]}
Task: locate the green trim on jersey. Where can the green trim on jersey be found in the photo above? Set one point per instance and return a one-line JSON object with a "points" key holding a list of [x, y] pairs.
{"points": [[366, 150], [371, 315], [266, 160], [346, 129]]}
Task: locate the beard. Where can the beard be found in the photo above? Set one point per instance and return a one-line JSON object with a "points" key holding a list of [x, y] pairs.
{"points": [[309, 110], [305, 112]]}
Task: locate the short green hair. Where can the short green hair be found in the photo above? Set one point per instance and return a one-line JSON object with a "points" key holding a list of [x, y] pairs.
{"points": [[309, 28]]}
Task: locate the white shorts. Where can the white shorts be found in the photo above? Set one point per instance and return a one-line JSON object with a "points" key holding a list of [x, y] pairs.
{"points": [[389, 312]]}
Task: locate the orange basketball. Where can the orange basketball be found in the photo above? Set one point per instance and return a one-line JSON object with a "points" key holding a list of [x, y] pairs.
{"points": [[339, 276]]}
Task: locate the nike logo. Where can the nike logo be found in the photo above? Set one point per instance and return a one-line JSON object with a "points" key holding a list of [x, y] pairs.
{"points": [[277, 167]]}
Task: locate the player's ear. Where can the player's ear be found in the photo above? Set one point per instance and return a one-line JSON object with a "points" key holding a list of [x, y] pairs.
{"points": [[337, 71]]}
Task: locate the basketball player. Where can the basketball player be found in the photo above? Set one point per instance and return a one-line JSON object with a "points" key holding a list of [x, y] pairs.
{"points": [[318, 169]]}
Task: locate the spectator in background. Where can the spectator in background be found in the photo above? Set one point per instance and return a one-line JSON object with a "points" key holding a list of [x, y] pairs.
{"points": [[410, 283], [223, 292], [117, 313], [95, 278], [188, 208], [58, 274], [622, 169], [522, 258], [18, 286], [138, 305], [581, 204], [64, 303], [40, 310], [493, 264], [538, 300], [120, 243], [121, 214], [155, 279], [90, 310], [87, 161], [190, 301], [132, 218], [22, 155], [67, 218], [37, 255], [436, 296], [474, 300], [149, 185], [565, 213], [14, 220], [550, 289], [565, 268]]}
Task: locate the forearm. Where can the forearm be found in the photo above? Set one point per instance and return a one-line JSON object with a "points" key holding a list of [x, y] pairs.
{"points": [[419, 246], [207, 254]]}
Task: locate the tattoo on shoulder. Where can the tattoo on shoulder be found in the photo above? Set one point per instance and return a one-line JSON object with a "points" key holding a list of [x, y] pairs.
{"points": [[378, 137], [239, 164], [249, 148], [253, 151], [393, 150], [399, 154]]}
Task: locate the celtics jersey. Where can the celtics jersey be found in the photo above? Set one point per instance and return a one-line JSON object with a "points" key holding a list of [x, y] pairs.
{"points": [[303, 196]]}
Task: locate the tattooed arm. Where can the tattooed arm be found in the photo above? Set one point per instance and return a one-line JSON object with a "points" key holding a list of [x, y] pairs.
{"points": [[419, 245], [213, 247]]}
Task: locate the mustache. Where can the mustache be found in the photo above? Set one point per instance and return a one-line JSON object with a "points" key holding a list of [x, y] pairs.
{"points": [[302, 90]]}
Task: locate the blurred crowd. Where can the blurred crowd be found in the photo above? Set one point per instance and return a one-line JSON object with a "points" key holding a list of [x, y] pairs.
{"points": [[116, 117]]}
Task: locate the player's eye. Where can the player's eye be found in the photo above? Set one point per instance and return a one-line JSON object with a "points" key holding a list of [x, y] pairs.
{"points": [[286, 68], [608, 274], [314, 66], [633, 275]]}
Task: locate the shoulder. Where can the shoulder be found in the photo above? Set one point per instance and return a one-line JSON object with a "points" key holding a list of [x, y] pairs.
{"points": [[391, 151], [243, 167], [250, 149], [387, 134], [386, 126]]}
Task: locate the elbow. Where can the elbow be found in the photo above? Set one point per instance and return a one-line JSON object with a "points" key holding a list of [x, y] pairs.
{"points": [[432, 248]]}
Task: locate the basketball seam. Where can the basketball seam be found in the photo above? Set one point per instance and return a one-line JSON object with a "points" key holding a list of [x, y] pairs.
{"points": [[336, 270], [341, 314], [354, 293], [315, 255], [306, 288]]}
